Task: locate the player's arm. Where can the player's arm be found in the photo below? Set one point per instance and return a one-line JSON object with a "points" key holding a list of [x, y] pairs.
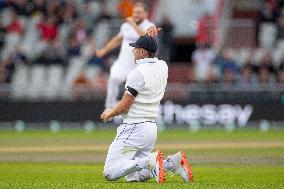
{"points": [[122, 107], [134, 84], [152, 30], [112, 44]]}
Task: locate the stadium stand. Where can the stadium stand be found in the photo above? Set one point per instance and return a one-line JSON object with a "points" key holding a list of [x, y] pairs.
{"points": [[46, 45]]}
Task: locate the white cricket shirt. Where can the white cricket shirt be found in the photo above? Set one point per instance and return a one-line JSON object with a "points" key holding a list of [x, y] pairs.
{"points": [[149, 79]]}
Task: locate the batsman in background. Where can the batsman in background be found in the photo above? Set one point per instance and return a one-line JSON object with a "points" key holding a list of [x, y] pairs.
{"points": [[130, 154], [134, 27]]}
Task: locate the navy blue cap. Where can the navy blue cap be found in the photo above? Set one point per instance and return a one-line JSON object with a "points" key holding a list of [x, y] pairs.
{"points": [[146, 42]]}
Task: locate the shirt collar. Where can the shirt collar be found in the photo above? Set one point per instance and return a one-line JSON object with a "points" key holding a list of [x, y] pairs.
{"points": [[146, 60]]}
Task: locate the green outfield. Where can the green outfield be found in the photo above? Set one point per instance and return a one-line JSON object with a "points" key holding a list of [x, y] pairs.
{"points": [[74, 159]]}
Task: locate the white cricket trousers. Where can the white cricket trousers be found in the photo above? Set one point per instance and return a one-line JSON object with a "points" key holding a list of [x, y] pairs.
{"points": [[118, 75], [132, 144]]}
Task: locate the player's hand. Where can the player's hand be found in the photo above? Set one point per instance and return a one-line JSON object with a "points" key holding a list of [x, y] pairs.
{"points": [[153, 31], [100, 53], [131, 21], [105, 116]]}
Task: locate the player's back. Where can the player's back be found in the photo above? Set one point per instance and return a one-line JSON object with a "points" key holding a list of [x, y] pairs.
{"points": [[146, 104]]}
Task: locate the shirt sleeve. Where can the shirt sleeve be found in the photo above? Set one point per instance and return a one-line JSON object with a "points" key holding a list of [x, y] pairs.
{"points": [[134, 83]]}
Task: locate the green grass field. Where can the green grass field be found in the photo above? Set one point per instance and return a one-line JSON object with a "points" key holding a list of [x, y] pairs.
{"points": [[74, 159]]}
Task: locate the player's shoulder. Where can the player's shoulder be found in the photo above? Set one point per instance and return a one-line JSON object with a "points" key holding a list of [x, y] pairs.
{"points": [[124, 24], [195, 54], [134, 74], [134, 71], [159, 64], [147, 23], [163, 64]]}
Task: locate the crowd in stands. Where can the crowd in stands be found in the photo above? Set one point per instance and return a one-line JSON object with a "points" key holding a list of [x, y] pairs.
{"points": [[226, 67], [48, 32], [52, 32], [249, 66]]}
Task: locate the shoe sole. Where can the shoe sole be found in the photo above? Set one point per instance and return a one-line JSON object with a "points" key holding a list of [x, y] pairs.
{"points": [[185, 164], [162, 174]]}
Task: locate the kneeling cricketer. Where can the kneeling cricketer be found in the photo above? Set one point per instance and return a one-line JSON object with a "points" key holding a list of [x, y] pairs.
{"points": [[130, 154]]}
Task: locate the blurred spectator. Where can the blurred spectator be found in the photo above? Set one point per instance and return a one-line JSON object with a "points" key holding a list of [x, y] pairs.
{"points": [[77, 37], [280, 73], [265, 69], [228, 67], [18, 57], [280, 77], [54, 53], [80, 31], [2, 34], [2, 73], [87, 15], [228, 62], [269, 12], [264, 76], [74, 47], [21, 7], [281, 66], [228, 76], [203, 61], [280, 26], [68, 12], [104, 14], [15, 26], [14, 31], [48, 29], [166, 39], [230, 72], [246, 76], [2, 4], [219, 61], [52, 8], [38, 8], [266, 61], [7, 68], [204, 29]]}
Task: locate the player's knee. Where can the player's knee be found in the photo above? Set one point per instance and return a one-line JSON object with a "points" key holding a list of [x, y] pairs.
{"points": [[108, 174]]}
